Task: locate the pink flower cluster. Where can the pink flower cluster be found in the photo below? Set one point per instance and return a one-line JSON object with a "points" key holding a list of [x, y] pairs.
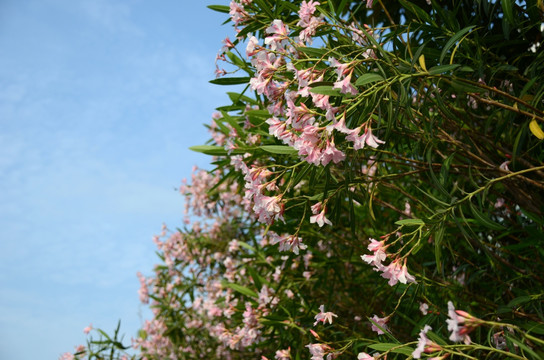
{"points": [[266, 209], [395, 272], [294, 122], [308, 22]]}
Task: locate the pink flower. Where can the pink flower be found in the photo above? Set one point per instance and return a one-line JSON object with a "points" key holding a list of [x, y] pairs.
{"points": [[424, 308], [287, 242], [499, 203], [143, 291], [404, 277], [277, 27], [227, 44], [422, 342], [283, 354], [237, 13], [345, 86], [321, 101], [317, 207], [279, 35], [331, 153], [381, 322], [372, 140], [378, 254], [259, 84], [252, 47], [461, 323], [88, 329], [219, 72], [367, 138], [317, 351], [320, 218], [396, 272], [268, 208], [324, 316], [364, 356], [341, 69], [306, 11], [340, 126]]}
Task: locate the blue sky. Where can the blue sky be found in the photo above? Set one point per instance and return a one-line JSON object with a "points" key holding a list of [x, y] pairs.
{"points": [[99, 101]]}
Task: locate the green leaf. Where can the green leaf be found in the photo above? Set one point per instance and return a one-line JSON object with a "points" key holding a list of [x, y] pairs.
{"points": [[287, 4], [215, 150], [453, 40], [236, 60], [410, 222], [258, 113], [241, 289], [439, 236], [534, 327], [247, 246], [326, 90], [519, 300], [257, 279], [482, 219], [391, 347], [463, 86], [508, 11], [440, 69], [279, 149], [421, 14], [522, 346], [220, 8], [251, 28], [265, 7], [235, 97], [368, 78], [318, 53], [230, 80]]}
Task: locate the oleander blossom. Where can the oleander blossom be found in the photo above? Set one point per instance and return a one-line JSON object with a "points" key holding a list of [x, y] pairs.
{"points": [[279, 34], [345, 86], [364, 356], [323, 316], [424, 308], [283, 354], [319, 215], [395, 272], [461, 323], [367, 138], [378, 324], [287, 242], [424, 344], [378, 255], [318, 351]]}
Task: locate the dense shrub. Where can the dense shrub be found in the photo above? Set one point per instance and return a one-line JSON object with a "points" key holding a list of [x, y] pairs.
{"points": [[377, 189]]}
